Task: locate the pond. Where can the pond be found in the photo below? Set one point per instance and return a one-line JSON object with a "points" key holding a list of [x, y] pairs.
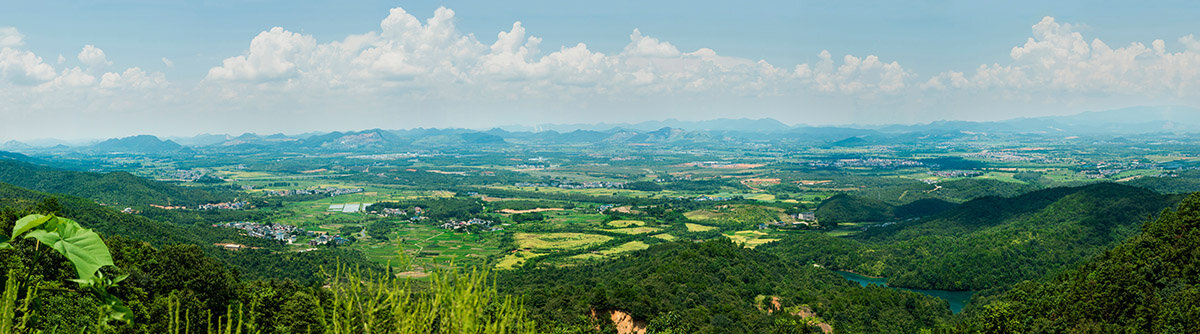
{"points": [[957, 299]]}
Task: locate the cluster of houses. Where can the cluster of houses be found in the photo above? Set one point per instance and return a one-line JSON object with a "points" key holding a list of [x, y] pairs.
{"points": [[330, 191], [706, 198], [279, 232], [574, 185], [182, 174], [605, 207], [324, 239], [869, 162], [1010, 156], [417, 214], [224, 206], [466, 224], [804, 220], [955, 173]]}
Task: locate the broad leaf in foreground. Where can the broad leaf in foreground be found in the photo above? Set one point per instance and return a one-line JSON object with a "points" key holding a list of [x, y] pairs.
{"points": [[82, 246]]}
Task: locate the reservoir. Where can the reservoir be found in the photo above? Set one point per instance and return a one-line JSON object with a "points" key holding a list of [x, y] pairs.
{"points": [[957, 299]]}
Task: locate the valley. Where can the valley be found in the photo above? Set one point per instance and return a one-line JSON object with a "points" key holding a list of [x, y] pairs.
{"points": [[575, 223]]}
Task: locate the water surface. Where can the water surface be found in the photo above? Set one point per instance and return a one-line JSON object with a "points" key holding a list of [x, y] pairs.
{"points": [[957, 299]]}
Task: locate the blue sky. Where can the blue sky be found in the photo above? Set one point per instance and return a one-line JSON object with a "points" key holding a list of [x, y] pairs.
{"points": [[111, 68]]}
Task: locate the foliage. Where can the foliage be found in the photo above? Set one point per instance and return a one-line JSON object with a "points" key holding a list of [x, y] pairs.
{"points": [[709, 287], [115, 188], [1148, 284], [82, 247], [988, 242]]}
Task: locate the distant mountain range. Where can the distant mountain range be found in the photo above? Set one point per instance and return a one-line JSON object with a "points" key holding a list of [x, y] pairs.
{"points": [[1127, 121]]}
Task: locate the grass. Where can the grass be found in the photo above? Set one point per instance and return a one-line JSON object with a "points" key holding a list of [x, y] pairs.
{"points": [[622, 248], [699, 228], [515, 259], [626, 223], [665, 236], [737, 215], [752, 238], [637, 230], [560, 240]]}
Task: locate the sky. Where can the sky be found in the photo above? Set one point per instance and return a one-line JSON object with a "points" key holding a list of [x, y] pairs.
{"points": [[112, 68]]}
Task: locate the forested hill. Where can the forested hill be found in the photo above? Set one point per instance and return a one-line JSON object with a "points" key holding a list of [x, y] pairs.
{"points": [[987, 242], [717, 287], [110, 188], [110, 222], [265, 263], [1148, 284]]}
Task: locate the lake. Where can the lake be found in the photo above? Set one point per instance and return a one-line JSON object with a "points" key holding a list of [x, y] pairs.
{"points": [[957, 299]]}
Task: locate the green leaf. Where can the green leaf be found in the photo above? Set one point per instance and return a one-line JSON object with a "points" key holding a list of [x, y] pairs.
{"points": [[81, 246], [29, 222]]}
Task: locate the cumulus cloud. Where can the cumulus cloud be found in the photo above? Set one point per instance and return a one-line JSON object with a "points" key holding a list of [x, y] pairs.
{"points": [[854, 75], [93, 56], [10, 37], [645, 46], [272, 56], [24, 68], [1058, 59], [433, 55], [168, 62], [132, 78]]}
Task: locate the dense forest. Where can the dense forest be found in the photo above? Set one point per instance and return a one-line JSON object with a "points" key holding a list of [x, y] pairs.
{"points": [[989, 241], [717, 287], [110, 188], [1148, 284]]}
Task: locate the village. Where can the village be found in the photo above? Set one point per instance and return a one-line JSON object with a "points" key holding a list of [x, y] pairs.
{"points": [[281, 232]]}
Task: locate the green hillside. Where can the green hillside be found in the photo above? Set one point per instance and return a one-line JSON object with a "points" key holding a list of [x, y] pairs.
{"points": [[1148, 284], [717, 287], [110, 188], [989, 241]]}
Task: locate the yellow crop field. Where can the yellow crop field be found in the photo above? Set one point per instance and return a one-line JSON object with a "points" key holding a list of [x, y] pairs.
{"points": [[626, 223], [751, 238], [564, 240], [637, 230]]}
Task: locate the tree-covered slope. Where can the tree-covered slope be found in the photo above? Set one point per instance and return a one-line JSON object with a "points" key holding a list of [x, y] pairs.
{"points": [[1148, 284], [842, 208], [110, 188], [716, 287], [987, 242], [265, 263]]}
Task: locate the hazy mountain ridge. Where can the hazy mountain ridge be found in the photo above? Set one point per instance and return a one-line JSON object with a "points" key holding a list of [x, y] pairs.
{"points": [[1126, 121]]}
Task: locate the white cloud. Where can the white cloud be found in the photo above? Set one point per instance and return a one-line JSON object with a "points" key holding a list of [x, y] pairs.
{"points": [[24, 68], [168, 62], [854, 76], [132, 78], [272, 56], [93, 56], [644, 46], [433, 59], [1058, 60], [10, 37]]}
